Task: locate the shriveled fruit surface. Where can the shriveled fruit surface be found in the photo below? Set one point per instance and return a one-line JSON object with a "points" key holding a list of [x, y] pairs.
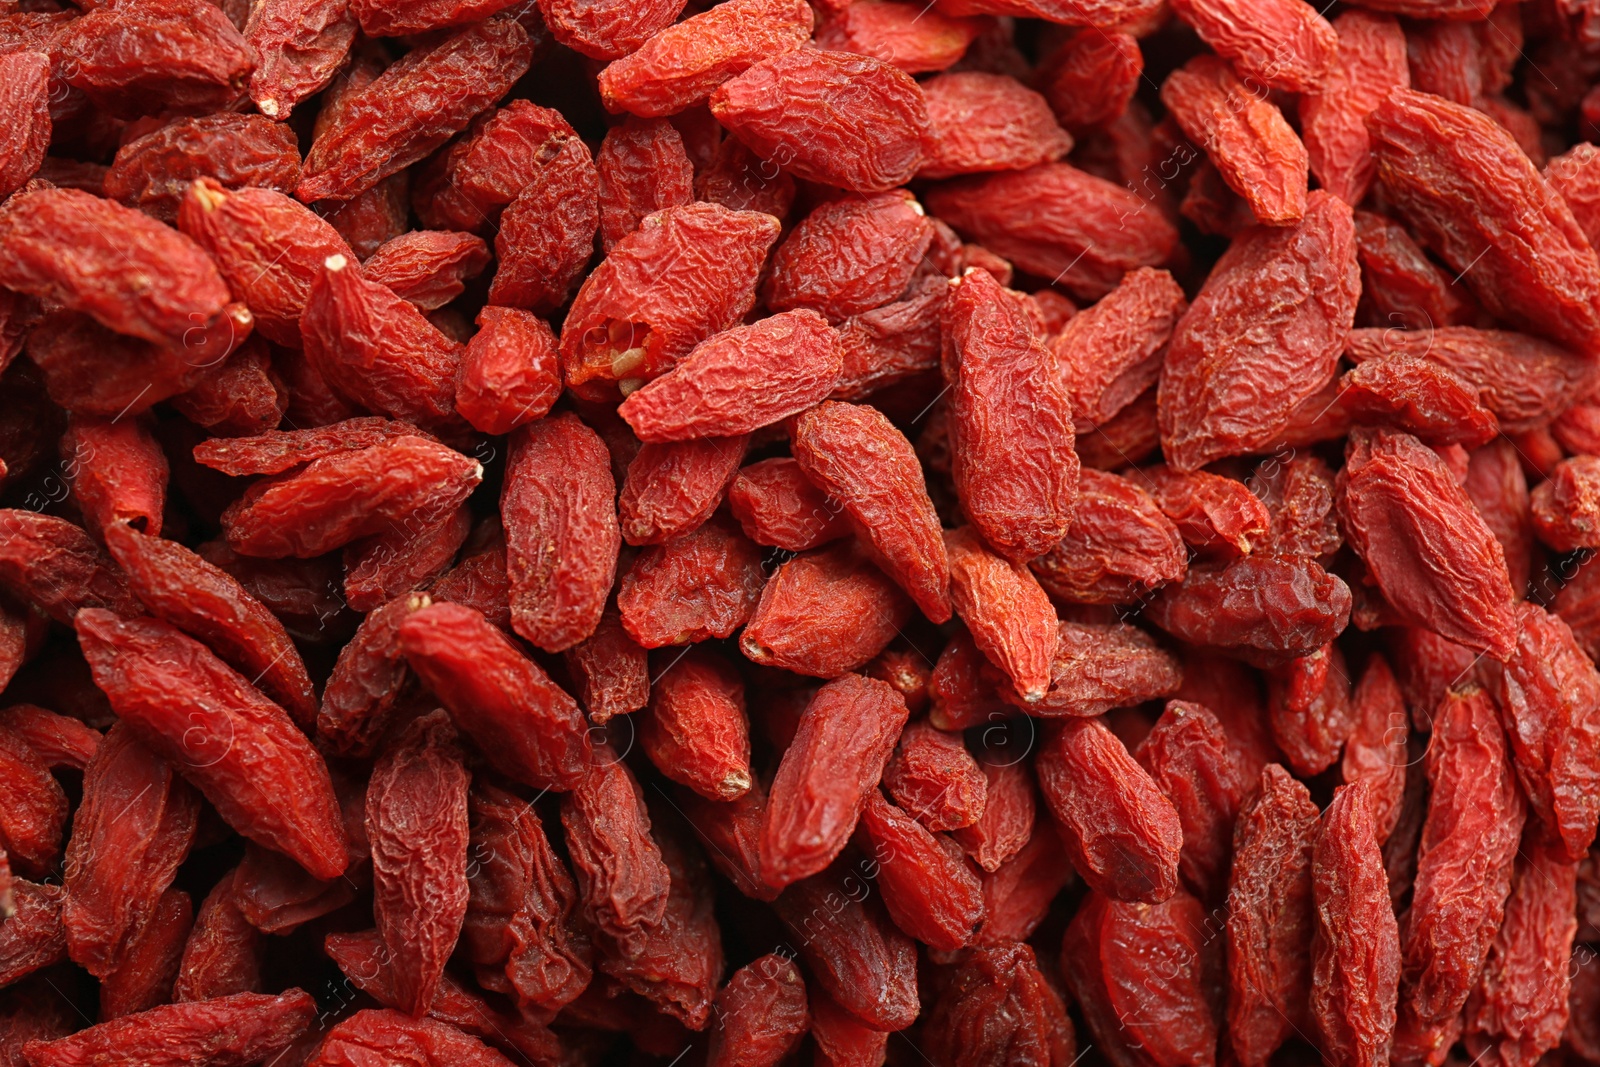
{"points": [[767, 533]]}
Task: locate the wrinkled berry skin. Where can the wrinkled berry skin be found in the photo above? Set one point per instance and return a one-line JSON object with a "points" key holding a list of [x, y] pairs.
{"points": [[1015, 468], [1121, 834], [560, 512], [1264, 334], [832, 117], [1425, 543]]}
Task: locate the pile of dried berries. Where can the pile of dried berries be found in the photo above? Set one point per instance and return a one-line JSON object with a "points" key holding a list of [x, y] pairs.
{"points": [[643, 531]]}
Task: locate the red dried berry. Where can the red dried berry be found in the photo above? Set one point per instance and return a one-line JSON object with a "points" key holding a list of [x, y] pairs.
{"points": [[1270, 917], [413, 107], [526, 725], [811, 109], [682, 64], [739, 381], [1121, 834], [558, 506], [240, 749], [1424, 543], [510, 373], [824, 613], [1355, 948], [857, 457], [844, 740], [1231, 376], [696, 731], [1014, 466]]}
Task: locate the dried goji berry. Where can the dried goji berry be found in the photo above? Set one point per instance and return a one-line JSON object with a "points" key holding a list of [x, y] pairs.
{"points": [[224, 1032], [777, 505], [824, 613], [998, 1007], [1355, 948], [223, 954], [1464, 866], [378, 349], [1512, 238], [154, 172], [739, 380], [155, 56], [1376, 748], [844, 740], [1230, 378], [1009, 616], [686, 273], [143, 977], [396, 1037], [417, 830], [36, 807], [928, 889], [240, 749], [25, 95], [1424, 543], [1014, 466], [1146, 977], [682, 64], [1118, 548], [428, 268], [1308, 709], [203, 600], [1519, 1007], [1420, 397], [702, 585], [933, 778], [558, 506], [892, 343], [117, 470], [859, 958], [1121, 833], [1270, 916], [1545, 692], [1210, 511], [607, 29], [761, 1015], [299, 46], [981, 122], [133, 830], [849, 256], [521, 930], [546, 234], [164, 288], [622, 877], [1007, 822], [31, 935], [674, 487], [398, 119], [54, 565], [1023, 216], [244, 394], [855, 455], [1244, 134], [349, 495], [643, 169], [1405, 288], [610, 670], [1187, 755], [1112, 352], [1264, 608], [495, 695], [696, 731], [811, 109], [510, 373], [362, 957]]}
